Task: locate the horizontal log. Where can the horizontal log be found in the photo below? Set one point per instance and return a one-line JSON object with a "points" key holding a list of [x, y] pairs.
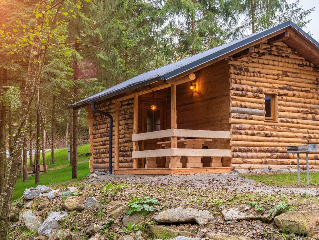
{"points": [[277, 128], [285, 81], [248, 94], [262, 166], [249, 111], [243, 143], [247, 100], [247, 117], [259, 149], [298, 116], [248, 155], [274, 134], [275, 139], [273, 161], [248, 105]]}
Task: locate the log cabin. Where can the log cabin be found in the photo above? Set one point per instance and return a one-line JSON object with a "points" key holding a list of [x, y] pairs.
{"points": [[238, 105]]}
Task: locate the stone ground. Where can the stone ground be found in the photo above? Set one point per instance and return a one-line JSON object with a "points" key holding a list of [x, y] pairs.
{"points": [[231, 181]]}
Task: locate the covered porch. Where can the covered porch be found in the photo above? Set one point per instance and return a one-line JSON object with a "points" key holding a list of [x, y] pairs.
{"points": [[178, 130]]}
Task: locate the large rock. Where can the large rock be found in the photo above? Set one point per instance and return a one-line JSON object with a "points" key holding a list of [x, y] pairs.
{"points": [[73, 203], [93, 229], [31, 221], [126, 237], [116, 209], [185, 238], [244, 212], [43, 189], [52, 194], [218, 236], [52, 223], [135, 218], [163, 232], [90, 203], [31, 193], [63, 235], [182, 215], [302, 222]]}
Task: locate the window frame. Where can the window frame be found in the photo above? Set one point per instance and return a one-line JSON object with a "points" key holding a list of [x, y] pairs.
{"points": [[274, 107]]}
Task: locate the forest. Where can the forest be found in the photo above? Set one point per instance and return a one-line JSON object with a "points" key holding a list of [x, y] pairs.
{"points": [[56, 52]]}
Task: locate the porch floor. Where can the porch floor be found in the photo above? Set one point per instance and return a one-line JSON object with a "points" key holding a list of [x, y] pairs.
{"points": [[172, 171]]}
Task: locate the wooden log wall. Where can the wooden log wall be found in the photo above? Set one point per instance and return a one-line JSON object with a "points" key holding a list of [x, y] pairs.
{"points": [[208, 107], [99, 135], [278, 69]]}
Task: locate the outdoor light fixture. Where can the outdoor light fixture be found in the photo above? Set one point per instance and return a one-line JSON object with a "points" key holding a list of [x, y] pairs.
{"points": [[192, 87], [153, 107]]}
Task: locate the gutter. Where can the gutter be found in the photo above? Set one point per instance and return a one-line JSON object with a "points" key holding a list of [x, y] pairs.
{"points": [[110, 133]]}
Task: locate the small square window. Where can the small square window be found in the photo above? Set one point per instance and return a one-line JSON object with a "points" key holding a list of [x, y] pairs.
{"points": [[271, 107]]}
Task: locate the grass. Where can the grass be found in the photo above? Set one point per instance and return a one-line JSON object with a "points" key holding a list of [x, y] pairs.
{"points": [[57, 175], [286, 179], [61, 156]]}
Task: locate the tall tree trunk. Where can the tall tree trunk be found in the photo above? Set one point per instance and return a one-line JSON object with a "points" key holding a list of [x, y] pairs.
{"points": [[75, 136], [52, 128], [38, 136], [43, 144], [3, 150], [71, 137], [75, 118], [25, 161], [10, 125], [193, 35], [252, 16], [30, 143]]}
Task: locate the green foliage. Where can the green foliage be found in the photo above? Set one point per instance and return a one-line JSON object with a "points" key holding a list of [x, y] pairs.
{"points": [[132, 227], [141, 205], [253, 204], [108, 223]]}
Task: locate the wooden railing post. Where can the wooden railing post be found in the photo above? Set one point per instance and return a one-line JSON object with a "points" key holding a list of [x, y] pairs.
{"points": [[135, 129], [116, 146], [174, 159]]}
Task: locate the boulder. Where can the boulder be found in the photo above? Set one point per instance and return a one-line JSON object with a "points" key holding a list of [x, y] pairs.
{"points": [[31, 193], [135, 218], [52, 223], [218, 236], [243, 212], [163, 232], [63, 235], [43, 189], [52, 194], [116, 209], [92, 175], [298, 222], [90, 203], [31, 221], [185, 238], [93, 229], [73, 203], [71, 189], [182, 215], [126, 237]]}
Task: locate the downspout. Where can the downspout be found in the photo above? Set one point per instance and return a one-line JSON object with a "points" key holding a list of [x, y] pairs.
{"points": [[110, 133]]}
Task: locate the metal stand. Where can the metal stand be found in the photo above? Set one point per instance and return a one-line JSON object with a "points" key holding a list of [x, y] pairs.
{"points": [[302, 149]]}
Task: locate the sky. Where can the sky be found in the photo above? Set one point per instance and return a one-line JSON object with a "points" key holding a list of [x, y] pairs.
{"points": [[313, 25]]}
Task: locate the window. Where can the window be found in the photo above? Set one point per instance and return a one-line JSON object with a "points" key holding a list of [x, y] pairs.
{"points": [[153, 120], [271, 107]]}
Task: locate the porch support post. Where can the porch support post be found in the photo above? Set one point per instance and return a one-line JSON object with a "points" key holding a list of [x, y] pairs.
{"points": [[116, 147], [174, 159], [135, 130]]}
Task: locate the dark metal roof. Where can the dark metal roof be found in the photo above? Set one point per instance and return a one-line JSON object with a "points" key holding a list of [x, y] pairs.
{"points": [[174, 69]]}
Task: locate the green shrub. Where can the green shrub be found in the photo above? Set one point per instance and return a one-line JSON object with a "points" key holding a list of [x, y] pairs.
{"points": [[141, 205]]}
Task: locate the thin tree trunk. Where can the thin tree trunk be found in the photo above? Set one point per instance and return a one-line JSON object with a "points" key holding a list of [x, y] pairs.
{"points": [[38, 136], [75, 137], [30, 143], [71, 136], [193, 35], [52, 128], [3, 150], [10, 125], [25, 161], [252, 17], [43, 145]]}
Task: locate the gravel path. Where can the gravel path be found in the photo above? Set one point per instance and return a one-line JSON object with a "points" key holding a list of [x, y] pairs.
{"points": [[230, 181]]}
